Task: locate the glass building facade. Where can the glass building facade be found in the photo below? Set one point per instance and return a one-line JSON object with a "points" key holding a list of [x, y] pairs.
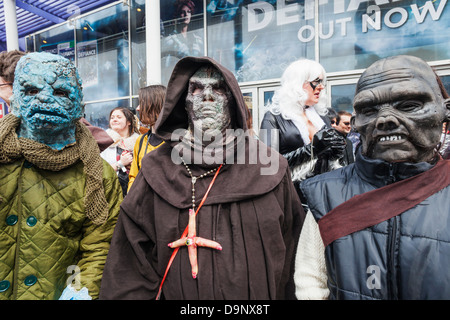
{"points": [[256, 40]]}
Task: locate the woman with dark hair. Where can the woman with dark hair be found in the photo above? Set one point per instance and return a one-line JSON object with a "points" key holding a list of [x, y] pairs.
{"points": [[151, 100], [123, 130]]}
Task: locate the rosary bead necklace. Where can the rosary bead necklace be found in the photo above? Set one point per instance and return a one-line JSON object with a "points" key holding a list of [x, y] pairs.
{"points": [[194, 180], [189, 237]]}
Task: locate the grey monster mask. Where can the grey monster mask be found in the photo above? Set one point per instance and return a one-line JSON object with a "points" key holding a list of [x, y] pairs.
{"points": [[208, 103], [399, 110]]}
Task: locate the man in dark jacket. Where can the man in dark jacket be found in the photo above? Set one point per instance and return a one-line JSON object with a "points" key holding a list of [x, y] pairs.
{"points": [[380, 228], [239, 242]]}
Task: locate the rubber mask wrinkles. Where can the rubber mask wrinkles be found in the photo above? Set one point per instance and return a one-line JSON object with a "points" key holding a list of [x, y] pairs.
{"points": [[47, 98]]}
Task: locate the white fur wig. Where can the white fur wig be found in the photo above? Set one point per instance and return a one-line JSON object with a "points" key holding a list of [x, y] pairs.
{"points": [[289, 100]]}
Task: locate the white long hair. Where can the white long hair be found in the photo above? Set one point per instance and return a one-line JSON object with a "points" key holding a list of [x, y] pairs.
{"points": [[290, 98]]}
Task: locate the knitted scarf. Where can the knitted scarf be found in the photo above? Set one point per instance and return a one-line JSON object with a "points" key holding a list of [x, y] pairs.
{"points": [[13, 148]]}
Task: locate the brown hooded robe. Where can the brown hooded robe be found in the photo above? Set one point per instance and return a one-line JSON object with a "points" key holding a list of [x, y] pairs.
{"points": [[256, 219]]}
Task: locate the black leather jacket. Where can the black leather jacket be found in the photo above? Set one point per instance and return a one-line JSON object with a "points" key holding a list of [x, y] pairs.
{"points": [[290, 143], [405, 257], [289, 138]]}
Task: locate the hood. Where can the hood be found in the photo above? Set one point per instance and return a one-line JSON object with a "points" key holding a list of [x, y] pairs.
{"points": [[173, 115], [255, 175]]}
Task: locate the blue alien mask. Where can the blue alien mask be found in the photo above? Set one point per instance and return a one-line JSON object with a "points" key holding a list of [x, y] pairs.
{"points": [[47, 97]]}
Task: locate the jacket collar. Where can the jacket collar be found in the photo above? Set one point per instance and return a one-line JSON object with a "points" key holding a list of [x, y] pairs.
{"points": [[380, 173]]}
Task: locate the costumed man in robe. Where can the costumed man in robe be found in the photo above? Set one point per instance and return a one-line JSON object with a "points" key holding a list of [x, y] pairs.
{"points": [[380, 228], [59, 200], [209, 216]]}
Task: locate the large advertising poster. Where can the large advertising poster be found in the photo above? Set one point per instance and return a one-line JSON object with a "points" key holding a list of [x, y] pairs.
{"points": [[353, 34], [258, 39], [181, 32]]}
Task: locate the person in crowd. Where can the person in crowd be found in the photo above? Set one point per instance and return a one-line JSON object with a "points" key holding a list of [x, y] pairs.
{"points": [[59, 200], [344, 125], [379, 228], [8, 62], [335, 119], [296, 124], [123, 130], [204, 219], [151, 100]]}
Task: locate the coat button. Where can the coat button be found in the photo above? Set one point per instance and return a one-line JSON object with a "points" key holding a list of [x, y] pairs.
{"points": [[4, 285], [30, 280], [31, 221], [11, 220]]}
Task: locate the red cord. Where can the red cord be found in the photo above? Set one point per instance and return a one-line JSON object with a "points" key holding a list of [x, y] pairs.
{"points": [[158, 296]]}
